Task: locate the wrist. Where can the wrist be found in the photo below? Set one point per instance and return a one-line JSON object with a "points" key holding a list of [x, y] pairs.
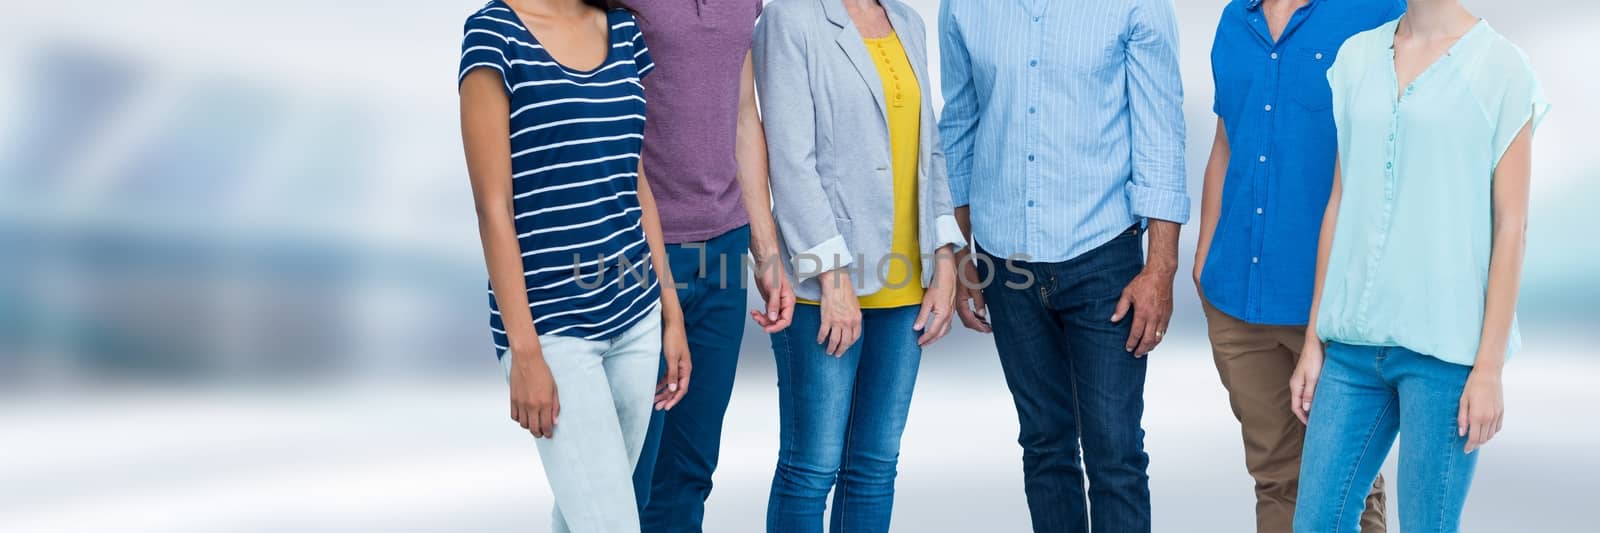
{"points": [[1488, 370]]}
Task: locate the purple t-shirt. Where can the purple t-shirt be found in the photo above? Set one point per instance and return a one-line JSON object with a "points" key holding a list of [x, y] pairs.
{"points": [[699, 47]]}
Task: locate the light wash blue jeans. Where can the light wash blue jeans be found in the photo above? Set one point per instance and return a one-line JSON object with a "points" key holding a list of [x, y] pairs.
{"points": [[841, 419], [606, 389], [1365, 396]]}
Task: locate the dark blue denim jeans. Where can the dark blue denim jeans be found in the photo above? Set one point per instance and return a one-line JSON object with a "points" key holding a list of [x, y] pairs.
{"points": [[1079, 393], [841, 419], [673, 479]]}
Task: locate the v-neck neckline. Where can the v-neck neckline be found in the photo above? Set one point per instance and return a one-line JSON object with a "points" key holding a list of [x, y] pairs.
{"points": [[571, 71], [1401, 92]]}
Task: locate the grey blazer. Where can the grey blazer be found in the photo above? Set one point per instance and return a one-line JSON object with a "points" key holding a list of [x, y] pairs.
{"points": [[828, 143]]}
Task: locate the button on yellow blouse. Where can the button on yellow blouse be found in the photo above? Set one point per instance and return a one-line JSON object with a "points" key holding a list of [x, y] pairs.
{"points": [[902, 275]]}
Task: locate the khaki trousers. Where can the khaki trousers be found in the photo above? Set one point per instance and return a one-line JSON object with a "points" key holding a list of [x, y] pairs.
{"points": [[1255, 363]]}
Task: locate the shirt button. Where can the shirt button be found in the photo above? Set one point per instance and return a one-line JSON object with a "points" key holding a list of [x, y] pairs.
{"points": [[1032, 110], [1263, 159], [1030, 203], [1269, 108], [1030, 157], [1255, 260], [1319, 56], [1036, 19], [1260, 210], [1274, 56], [1389, 165], [1033, 63]]}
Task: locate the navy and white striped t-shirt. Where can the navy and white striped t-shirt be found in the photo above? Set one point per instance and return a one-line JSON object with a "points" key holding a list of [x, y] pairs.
{"points": [[575, 142]]}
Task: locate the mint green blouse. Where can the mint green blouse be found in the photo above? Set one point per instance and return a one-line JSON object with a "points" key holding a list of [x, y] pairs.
{"points": [[1409, 265]]}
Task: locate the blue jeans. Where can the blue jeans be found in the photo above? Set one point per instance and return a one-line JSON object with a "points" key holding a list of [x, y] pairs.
{"points": [[673, 479], [1079, 393], [841, 420], [1366, 395]]}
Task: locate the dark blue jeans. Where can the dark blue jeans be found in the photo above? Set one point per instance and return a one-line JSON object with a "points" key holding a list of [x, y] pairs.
{"points": [[1079, 393], [673, 479], [841, 419]]}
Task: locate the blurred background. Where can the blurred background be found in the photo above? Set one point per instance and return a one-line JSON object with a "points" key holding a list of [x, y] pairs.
{"points": [[241, 290]]}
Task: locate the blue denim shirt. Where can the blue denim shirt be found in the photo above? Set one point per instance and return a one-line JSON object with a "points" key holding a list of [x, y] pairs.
{"points": [[1275, 103], [1063, 121]]}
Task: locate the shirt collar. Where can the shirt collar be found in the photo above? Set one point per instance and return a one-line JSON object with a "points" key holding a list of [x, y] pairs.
{"points": [[1252, 5]]}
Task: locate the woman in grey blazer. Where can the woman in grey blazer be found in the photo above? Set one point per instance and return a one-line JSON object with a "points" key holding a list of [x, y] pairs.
{"points": [[863, 210]]}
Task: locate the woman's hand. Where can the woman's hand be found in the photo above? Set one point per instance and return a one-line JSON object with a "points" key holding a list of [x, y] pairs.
{"points": [[534, 402], [1303, 386], [939, 300], [841, 312], [1482, 408], [675, 350]]}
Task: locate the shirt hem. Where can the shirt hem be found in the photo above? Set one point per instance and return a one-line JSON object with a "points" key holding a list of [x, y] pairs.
{"points": [[675, 237]]}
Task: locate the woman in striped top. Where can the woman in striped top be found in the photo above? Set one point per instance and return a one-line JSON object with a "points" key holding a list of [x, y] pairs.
{"points": [[581, 300]]}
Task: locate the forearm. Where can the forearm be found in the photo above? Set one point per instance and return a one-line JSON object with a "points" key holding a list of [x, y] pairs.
{"points": [[1211, 194], [504, 259], [754, 182], [1163, 253], [671, 312], [1500, 302]]}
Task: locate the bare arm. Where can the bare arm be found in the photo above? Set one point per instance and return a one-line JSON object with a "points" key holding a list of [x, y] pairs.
{"points": [[1303, 385], [751, 153], [1482, 410], [1211, 197], [486, 138], [674, 343]]}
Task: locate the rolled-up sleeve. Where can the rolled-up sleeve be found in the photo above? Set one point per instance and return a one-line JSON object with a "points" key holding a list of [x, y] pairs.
{"points": [[958, 127], [800, 205], [1159, 188]]}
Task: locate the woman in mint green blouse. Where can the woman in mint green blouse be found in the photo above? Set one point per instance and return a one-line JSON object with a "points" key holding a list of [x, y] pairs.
{"points": [[1418, 267]]}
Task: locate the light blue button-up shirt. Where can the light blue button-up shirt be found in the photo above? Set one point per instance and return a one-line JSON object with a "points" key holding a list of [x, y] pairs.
{"points": [[1063, 120]]}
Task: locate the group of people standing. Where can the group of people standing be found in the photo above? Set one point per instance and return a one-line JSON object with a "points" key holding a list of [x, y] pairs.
{"points": [[1361, 241]]}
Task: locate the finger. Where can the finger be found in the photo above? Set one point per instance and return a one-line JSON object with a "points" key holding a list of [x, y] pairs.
{"points": [[1123, 304], [1461, 416], [672, 377], [683, 386], [786, 311], [964, 310], [922, 317], [1296, 388], [550, 421], [835, 334], [980, 308], [1136, 333], [536, 423], [519, 415], [761, 320], [555, 412], [775, 305], [1308, 394], [1148, 343], [824, 332]]}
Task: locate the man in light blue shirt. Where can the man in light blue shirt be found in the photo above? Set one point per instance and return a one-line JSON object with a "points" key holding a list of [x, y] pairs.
{"points": [[1063, 128]]}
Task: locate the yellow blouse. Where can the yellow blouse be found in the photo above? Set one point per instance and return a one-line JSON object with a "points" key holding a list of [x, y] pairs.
{"points": [[902, 283]]}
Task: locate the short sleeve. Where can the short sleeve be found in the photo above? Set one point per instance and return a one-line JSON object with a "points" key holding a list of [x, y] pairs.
{"points": [[1521, 101], [483, 46], [641, 50]]}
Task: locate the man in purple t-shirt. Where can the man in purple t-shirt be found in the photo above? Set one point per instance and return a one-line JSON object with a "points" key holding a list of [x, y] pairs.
{"points": [[706, 157]]}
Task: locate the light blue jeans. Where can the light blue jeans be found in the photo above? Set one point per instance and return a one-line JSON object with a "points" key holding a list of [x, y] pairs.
{"points": [[606, 389], [841, 419], [1365, 396]]}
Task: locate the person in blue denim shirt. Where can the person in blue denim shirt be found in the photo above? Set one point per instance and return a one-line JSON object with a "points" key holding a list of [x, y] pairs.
{"points": [[1064, 134], [1265, 188]]}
